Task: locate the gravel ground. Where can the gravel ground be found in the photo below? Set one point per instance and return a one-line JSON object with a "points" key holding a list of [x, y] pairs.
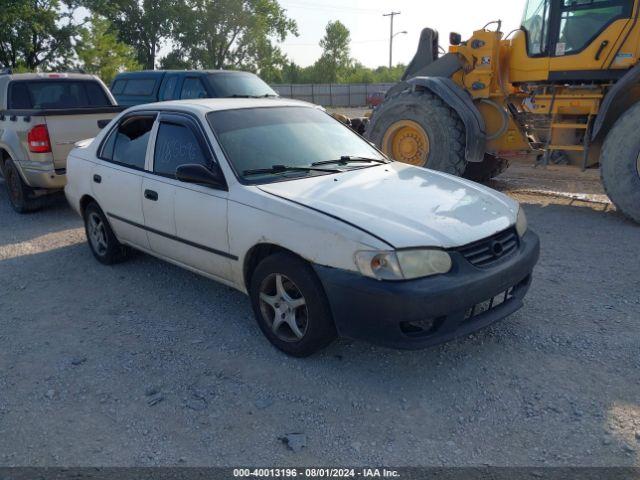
{"points": [[146, 364]]}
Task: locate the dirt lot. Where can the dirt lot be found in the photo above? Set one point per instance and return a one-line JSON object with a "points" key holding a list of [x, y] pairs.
{"points": [[146, 364]]}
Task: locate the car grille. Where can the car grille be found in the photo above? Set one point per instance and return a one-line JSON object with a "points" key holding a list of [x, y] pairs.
{"points": [[488, 251]]}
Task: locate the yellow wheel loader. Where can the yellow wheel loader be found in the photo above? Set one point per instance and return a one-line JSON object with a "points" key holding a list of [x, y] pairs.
{"points": [[567, 83]]}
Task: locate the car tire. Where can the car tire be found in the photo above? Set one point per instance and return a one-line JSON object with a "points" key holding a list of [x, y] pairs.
{"points": [[422, 130], [103, 243], [290, 305], [20, 194]]}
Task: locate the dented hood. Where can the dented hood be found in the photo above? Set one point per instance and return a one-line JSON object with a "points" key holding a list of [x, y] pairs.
{"points": [[405, 206]]}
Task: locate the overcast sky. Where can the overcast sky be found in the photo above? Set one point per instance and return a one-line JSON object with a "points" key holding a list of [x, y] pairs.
{"points": [[370, 30]]}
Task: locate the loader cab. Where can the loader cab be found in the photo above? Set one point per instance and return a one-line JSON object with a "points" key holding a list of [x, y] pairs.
{"points": [[574, 39]]}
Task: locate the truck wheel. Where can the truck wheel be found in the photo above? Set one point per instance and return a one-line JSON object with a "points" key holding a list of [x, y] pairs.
{"points": [[102, 241], [290, 305], [418, 128], [489, 168], [20, 194], [620, 164]]}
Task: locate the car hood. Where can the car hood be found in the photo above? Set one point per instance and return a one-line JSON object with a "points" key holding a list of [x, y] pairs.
{"points": [[405, 206]]}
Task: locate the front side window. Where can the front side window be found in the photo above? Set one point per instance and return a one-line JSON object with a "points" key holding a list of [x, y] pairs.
{"points": [[193, 88], [176, 145], [261, 138], [536, 24], [127, 144], [583, 20]]}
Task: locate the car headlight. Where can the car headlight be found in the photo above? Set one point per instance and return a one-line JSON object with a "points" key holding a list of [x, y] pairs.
{"points": [[521, 223], [403, 264]]}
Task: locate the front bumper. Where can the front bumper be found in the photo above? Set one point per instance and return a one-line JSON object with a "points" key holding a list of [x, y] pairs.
{"points": [[419, 313]]}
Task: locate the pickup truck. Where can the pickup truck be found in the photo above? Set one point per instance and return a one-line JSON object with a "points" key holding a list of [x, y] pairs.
{"points": [[42, 116], [150, 86]]}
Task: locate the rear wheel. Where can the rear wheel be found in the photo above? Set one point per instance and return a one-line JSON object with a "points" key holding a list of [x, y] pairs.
{"points": [[418, 128], [620, 164], [290, 305], [102, 241], [20, 194]]}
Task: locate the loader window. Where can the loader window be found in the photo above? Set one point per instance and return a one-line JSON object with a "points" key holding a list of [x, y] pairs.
{"points": [[536, 24], [581, 21]]}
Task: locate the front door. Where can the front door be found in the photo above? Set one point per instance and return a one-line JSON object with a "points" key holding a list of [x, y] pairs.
{"points": [[185, 222]]}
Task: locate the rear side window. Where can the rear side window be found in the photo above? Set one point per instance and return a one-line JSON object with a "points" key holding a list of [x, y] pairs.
{"points": [[118, 86], [193, 88], [139, 86], [58, 94], [168, 91], [176, 145], [127, 144]]}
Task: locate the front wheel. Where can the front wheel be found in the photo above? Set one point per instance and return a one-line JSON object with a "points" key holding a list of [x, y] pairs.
{"points": [[418, 128], [290, 305], [620, 164]]}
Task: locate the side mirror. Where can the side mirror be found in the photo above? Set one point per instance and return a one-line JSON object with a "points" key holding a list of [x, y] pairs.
{"points": [[455, 38], [103, 123], [195, 173]]}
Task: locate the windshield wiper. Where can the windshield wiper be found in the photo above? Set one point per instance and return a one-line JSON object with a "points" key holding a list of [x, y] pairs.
{"points": [[287, 168], [236, 95], [348, 159]]}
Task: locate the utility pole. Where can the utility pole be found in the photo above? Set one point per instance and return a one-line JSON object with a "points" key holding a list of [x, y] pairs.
{"points": [[391, 15]]}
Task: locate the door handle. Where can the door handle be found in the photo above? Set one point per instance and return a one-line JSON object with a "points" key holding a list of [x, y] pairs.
{"points": [[151, 195], [97, 178], [603, 45]]}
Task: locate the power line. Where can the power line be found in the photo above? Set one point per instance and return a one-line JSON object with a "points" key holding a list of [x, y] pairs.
{"points": [[338, 8]]}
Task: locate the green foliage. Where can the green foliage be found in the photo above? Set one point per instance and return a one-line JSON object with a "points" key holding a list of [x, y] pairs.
{"points": [[237, 34], [36, 34], [100, 52], [143, 24], [335, 59]]}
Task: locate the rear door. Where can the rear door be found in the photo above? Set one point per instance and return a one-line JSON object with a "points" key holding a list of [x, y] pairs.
{"points": [[118, 174], [185, 222]]}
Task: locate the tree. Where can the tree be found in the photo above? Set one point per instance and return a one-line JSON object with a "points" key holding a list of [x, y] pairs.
{"points": [[100, 52], [143, 24], [336, 56], [36, 34], [231, 34]]}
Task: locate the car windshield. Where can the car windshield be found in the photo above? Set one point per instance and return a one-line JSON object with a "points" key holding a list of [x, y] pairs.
{"points": [[240, 85], [293, 137]]}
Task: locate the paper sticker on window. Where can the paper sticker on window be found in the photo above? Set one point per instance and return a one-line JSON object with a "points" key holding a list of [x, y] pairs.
{"points": [[561, 48]]}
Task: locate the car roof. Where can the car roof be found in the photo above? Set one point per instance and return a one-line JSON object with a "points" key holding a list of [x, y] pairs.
{"points": [[159, 73], [49, 76], [205, 105]]}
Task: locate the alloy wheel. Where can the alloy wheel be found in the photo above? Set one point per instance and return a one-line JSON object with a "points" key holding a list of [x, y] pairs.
{"points": [[97, 234], [284, 308]]}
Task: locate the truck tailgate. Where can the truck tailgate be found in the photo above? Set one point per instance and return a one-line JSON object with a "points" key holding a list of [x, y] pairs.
{"points": [[65, 130]]}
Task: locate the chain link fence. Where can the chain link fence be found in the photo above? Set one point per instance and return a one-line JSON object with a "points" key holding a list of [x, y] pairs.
{"points": [[332, 94]]}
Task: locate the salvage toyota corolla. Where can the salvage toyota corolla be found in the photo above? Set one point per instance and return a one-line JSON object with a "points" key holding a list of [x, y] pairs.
{"points": [[327, 236]]}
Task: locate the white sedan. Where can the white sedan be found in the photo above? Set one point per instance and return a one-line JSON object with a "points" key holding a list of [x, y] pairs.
{"points": [[327, 236]]}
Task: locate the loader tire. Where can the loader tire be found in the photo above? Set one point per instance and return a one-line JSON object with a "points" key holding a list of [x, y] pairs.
{"points": [[489, 168], [418, 128], [620, 164]]}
